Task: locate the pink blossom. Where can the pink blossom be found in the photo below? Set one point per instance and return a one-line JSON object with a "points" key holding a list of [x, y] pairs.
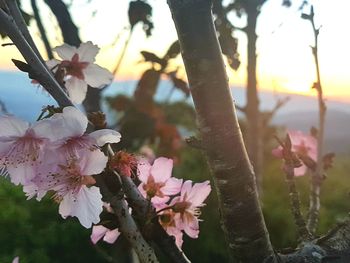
{"points": [[186, 206], [302, 144], [71, 182], [148, 153], [22, 146], [15, 260], [78, 64], [71, 125], [109, 236], [167, 221], [156, 181]]}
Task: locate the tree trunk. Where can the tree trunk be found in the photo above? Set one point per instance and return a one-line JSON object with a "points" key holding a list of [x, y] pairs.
{"points": [[254, 129], [242, 219]]}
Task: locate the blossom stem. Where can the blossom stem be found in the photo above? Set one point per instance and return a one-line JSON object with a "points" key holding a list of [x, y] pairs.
{"points": [[302, 230]]}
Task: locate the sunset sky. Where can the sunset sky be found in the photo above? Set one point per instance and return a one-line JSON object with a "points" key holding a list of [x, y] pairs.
{"points": [[285, 62]]}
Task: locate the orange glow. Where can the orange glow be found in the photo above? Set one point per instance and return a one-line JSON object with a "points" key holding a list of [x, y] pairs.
{"points": [[285, 63]]}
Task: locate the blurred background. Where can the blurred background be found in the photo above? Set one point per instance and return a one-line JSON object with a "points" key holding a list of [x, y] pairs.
{"points": [[150, 104]]}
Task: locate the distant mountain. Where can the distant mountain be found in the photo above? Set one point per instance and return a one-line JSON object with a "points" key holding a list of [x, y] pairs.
{"points": [[26, 100]]}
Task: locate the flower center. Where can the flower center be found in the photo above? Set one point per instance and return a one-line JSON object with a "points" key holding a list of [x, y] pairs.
{"points": [[153, 188], [74, 67], [181, 207]]}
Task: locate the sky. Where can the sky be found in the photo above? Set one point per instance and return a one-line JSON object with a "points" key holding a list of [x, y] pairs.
{"points": [[285, 62]]}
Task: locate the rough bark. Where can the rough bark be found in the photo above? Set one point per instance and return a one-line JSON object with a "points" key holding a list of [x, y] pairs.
{"points": [[242, 219], [70, 34]]}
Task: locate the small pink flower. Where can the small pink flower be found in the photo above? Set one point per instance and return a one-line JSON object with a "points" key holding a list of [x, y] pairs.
{"points": [[71, 183], [22, 146], [15, 260], [156, 181], [167, 221], [302, 144], [80, 70], [186, 206], [71, 125], [99, 231]]}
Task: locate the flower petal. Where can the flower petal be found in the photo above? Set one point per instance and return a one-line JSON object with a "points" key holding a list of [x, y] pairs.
{"points": [[161, 169], [199, 193], [191, 226], [52, 63], [157, 201], [186, 188], [106, 136], [300, 171], [111, 236], [97, 233], [97, 76], [21, 173], [12, 126], [87, 52], [172, 186], [73, 120], [93, 162], [31, 190], [278, 152], [86, 205], [143, 170], [77, 89], [66, 52]]}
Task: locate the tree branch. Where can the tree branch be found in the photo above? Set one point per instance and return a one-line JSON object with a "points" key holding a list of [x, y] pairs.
{"points": [[21, 24], [127, 224], [45, 77], [242, 219]]}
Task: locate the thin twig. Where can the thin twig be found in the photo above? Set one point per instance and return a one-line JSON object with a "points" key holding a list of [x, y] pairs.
{"points": [[291, 161], [302, 231], [115, 71], [41, 29], [317, 176]]}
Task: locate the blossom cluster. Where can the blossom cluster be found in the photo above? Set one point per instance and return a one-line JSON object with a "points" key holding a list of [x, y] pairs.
{"points": [[57, 155], [177, 203]]}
